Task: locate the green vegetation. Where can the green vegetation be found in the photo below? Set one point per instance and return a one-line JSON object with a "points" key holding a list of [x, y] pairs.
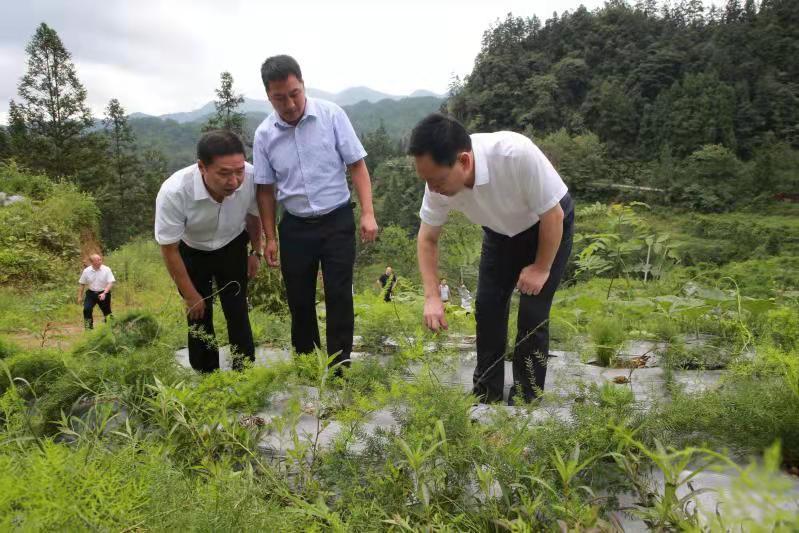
{"points": [[171, 448], [104, 430]]}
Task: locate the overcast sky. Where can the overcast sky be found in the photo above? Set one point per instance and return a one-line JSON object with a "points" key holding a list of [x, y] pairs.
{"points": [[161, 56]]}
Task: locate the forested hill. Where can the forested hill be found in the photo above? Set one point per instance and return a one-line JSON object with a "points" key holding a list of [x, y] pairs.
{"points": [[699, 102], [644, 78]]}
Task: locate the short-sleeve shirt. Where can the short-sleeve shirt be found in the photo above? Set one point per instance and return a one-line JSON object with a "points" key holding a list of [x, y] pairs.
{"points": [[308, 162], [97, 280], [185, 211], [444, 292], [514, 183]]}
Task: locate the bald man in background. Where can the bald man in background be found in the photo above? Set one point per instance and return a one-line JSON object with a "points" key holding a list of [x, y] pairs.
{"points": [[96, 280]]}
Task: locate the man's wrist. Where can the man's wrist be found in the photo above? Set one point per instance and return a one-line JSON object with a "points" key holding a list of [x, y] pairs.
{"points": [[257, 252]]}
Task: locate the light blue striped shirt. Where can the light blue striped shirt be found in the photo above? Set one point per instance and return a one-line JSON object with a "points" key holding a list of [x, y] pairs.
{"points": [[308, 162]]}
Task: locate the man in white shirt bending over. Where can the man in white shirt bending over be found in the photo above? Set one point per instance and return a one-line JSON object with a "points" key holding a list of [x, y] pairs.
{"points": [[204, 216], [503, 182], [97, 280]]}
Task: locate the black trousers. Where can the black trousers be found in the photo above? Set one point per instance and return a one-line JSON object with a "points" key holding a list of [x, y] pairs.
{"points": [[90, 299], [501, 262], [228, 267], [305, 244]]}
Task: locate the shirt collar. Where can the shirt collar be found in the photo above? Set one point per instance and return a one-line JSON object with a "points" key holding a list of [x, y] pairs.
{"points": [[481, 176], [200, 192], [311, 110]]}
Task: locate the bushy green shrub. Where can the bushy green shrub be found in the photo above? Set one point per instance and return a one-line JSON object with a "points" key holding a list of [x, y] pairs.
{"points": [[130, 331], [40, 240], [267, 291], [7, 348], [782, 327], [39, 368], [14, 180], [607, 334]]}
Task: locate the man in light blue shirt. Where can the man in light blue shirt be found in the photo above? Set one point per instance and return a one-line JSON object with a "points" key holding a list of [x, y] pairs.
{"points": [[301, 153]]}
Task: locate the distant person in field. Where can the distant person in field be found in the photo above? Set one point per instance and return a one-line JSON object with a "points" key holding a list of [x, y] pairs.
{"points": [[96, 280], [443, 291], [302, 153], [205, 214], [466, 298], [387, 282], [503, 182]]}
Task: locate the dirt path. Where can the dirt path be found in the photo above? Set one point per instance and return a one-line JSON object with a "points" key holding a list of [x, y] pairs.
{"points": [[60, 335]]}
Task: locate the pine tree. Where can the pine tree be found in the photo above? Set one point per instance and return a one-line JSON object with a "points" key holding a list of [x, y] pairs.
{"points": [[227, 117], [17, 134], [120, 143], [379, 147], [122, 199], [5, 144], [53, 108]]}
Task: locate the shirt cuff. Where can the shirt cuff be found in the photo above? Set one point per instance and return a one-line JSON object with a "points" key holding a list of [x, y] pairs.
{"points": [[432, 221], [552, 202], [165, 241], [357, 157]]}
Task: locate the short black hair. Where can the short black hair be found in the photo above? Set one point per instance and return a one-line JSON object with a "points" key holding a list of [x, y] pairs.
{"points": [[441, 137], [216, 143], [279, 68]]}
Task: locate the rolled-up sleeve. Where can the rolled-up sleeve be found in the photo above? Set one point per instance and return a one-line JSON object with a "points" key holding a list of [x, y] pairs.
{"points": [[253, 208], [541, 182], [170, 220], [435, 208], [264, 173], [347, 142]]}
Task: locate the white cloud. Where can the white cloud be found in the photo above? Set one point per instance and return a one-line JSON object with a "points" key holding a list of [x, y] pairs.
{"points": [[158, 57]]}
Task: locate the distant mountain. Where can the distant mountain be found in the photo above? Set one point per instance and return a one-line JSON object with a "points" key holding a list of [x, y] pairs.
{"points": [[350, 96], [191, 116], [318, 93], [397, 116], [421, 93], [176, 139], [139, 115], [353, 95]]}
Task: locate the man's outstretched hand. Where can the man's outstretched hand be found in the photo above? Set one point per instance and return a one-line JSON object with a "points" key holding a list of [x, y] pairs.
{"points": [[434, 317]]}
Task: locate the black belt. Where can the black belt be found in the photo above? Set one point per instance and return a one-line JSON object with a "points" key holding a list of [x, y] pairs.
{"points": [[320, 218]]}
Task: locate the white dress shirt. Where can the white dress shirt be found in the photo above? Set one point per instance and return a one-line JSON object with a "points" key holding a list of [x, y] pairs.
{"points": [[514, 183], [185, 211], [97, 280]]}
